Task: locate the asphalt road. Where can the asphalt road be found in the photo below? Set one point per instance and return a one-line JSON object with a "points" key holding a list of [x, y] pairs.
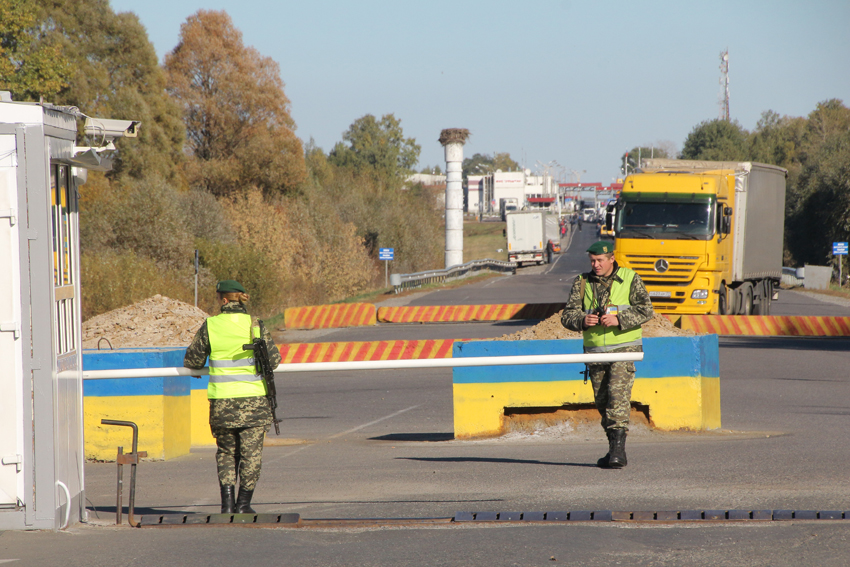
{"points": [[379, 444]]}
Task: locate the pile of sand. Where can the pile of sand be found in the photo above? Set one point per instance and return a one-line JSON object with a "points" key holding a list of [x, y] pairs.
{"points": [[155, 322], [551, 329]]}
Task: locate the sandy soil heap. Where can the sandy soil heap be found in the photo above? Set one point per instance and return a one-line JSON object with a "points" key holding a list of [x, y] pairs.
{"points": [[155, 322], [551, 329]]}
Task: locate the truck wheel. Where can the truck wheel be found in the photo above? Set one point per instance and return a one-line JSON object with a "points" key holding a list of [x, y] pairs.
{"points": [[723, 301], [763, 306], [746, 299]]}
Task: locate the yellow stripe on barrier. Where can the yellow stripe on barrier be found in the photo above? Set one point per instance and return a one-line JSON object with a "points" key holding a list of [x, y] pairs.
{"points": [[459, 313], [794, 326], [330, 316], [372, 350]]}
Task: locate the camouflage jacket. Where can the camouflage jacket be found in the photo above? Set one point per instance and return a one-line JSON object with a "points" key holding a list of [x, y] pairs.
{"points": [[229, 413], [639, 312]]}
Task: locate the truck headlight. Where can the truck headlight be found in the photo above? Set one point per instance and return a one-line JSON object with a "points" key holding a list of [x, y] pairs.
{"points": [[700, 294]]}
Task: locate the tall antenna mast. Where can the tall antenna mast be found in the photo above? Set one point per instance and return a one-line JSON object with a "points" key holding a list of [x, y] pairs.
{"points": [[724, 83]]}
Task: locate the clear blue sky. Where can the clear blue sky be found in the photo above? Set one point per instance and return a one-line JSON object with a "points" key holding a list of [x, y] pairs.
{"points": [[576, 82]]}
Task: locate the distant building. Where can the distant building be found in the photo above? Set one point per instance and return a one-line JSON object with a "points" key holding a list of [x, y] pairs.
{"points": [[520, 187]]}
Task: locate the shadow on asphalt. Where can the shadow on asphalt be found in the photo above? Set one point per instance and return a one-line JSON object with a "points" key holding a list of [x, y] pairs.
{"points": [[495, 460], [831, 344], [415, 437]]}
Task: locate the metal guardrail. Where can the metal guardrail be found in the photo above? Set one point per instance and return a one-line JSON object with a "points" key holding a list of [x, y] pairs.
{"points": [[409, 281], [789, 277]]}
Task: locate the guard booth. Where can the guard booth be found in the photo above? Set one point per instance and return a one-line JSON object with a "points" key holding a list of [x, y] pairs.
{"points": [[41, 414]]}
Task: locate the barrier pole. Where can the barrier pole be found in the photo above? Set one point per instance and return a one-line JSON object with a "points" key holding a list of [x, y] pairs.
{"points": [[374, 365]]}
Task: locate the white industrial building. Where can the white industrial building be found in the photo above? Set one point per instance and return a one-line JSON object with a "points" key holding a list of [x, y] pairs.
{"points": [[484, 193]]}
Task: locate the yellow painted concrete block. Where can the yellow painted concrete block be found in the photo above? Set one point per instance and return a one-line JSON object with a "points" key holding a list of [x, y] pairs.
{"points": [[163, 423], [674, 402], [200, 427]]}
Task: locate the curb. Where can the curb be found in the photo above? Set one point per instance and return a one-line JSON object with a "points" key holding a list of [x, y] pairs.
{"points": [[366, 350], [790, 326], [330, 316], [463, 313]]}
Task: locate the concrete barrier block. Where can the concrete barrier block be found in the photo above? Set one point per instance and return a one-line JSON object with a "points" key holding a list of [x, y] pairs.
{"points": [[458, 313], [783, 325], [160, 407], [679, 380], [330, 316]]}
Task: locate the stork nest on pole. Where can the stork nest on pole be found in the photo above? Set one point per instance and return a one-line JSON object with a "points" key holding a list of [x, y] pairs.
{"points": [[454, 135]]}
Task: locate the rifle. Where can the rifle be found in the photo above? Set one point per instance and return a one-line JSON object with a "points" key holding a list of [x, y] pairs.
{"points": [[263, 367]]}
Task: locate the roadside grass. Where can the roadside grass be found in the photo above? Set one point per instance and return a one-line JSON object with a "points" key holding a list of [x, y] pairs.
{"points": [[483, 240], [833, 290], [378, 295]]}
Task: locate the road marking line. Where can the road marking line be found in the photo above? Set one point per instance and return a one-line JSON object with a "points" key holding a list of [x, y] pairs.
{"points": [[352, 430], [399, 412]]}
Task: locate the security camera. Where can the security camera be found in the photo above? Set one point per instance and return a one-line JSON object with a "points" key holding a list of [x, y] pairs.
{"points": [[111, 129]]}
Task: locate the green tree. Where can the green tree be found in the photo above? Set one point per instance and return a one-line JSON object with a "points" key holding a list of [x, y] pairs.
{"points": [[777, 140], [377, 146], [818, 203], [640, 153], [716, 140], [31, 65], [480, 164], [115, 74], [239, 129]]}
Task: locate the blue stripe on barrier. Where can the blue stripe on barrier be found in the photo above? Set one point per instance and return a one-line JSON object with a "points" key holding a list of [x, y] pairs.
{"points": [[135, 358], [663, 357]]}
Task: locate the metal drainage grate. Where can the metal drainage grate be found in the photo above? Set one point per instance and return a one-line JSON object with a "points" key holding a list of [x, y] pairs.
{"points": [[660, 516], [151, 520]]}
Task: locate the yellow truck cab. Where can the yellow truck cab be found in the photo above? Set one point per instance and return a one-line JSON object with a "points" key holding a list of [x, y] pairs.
{"points": [[705, 237]]}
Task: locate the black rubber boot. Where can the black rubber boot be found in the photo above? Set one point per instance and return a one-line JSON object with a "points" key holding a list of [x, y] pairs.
{"points": [[243, 502], [228, 499], [603, 462], [617, 458]]}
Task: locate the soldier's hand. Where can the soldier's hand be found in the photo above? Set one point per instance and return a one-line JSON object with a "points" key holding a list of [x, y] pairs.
{"points": [[610, 320], [591, 320]]}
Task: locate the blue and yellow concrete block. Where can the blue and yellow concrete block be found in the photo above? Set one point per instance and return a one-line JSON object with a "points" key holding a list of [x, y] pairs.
{"points": [[159, 406], [679, 379]]}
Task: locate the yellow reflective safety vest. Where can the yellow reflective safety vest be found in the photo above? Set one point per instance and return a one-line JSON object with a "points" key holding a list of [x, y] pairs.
{"points": [[599, 338], [232, 370]]}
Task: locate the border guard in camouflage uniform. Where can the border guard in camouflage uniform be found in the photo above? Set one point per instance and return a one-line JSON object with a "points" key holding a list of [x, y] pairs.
{"points": [[608, 305], [240, 413]]}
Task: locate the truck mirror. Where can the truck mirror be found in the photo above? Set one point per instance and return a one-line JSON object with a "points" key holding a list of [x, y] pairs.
{"points": [[609, 220], [726, 224], [727, 211]]}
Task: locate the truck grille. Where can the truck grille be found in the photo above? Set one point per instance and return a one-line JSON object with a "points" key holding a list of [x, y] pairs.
{"points": [[680, 268]]}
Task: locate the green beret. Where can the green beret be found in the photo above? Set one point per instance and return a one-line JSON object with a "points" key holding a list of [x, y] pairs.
{"points": [[601, 247], [229, 286]]}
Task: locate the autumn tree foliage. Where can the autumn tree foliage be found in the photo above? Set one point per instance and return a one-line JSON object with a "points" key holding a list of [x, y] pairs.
{"points": [[31, 66], [239, 132], [377, 146]]}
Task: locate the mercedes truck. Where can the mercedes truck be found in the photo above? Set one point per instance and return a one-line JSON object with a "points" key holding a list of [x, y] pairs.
{"points": [[706, 237]]}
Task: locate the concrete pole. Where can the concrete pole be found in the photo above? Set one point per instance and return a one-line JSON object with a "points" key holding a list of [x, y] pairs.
{"points": [[453, 140]]}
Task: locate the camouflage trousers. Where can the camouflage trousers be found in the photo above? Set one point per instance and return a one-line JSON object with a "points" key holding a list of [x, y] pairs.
{"points": [[612, 390], [240, 451]]}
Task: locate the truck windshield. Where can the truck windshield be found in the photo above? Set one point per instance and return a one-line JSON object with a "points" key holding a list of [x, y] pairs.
{"points": [[691, 219]]}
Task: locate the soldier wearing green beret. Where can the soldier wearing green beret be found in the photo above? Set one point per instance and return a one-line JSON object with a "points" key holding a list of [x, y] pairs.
{"points": [[608, 305], [240, 413]]}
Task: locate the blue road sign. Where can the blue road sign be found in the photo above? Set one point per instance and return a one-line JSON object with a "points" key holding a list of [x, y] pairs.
{"points": [[839, 249], [386, 253]]}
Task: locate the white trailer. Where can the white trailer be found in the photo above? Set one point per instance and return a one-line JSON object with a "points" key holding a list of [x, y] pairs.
{"points": [[41, 413], [529, 234]]}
